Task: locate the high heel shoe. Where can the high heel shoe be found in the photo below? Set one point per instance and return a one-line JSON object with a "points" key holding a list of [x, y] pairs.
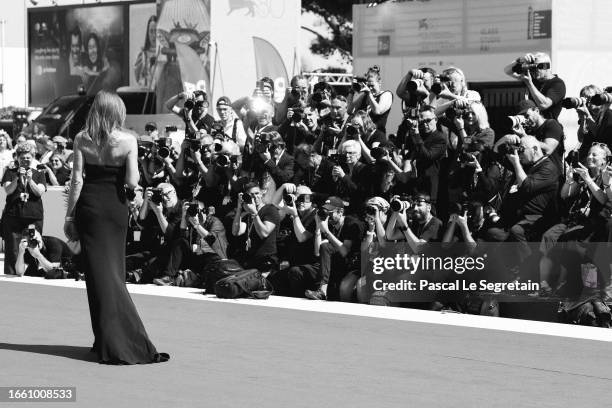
{"points": [[161, 357]]}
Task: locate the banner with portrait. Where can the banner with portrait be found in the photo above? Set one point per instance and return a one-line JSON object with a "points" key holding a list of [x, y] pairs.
{"points": [[76, 47]]}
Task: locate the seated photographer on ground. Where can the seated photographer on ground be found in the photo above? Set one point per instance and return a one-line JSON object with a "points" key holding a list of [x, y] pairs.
{"points": [[337, 238], [427, 147], [166, 210], [56, 172], [529, 207], [412, 221], [452, 91], [544, 88], [548, 132], [367, 94], [257, 223], [295, 240], [594, 117], [202, 241], [374, 244], [300, 127], [313, 170], [586, 218], [465, 224], [38, 255], [232, 126], [415, 88]]}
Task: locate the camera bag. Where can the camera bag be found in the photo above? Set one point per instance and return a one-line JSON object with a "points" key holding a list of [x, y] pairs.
{"points": [[246, 283], [216, 270]]}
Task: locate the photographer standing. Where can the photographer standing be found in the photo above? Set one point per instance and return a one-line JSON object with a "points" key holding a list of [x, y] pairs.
{"points": [[233, 128], [368, 95], [194, 111], [300, 127], [415, 88], [24, 187], [544, 88], [454, 90], [594, 121], [313, 170], [427, 147], [331, 126]]}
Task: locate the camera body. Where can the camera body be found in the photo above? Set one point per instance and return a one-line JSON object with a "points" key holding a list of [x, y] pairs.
{"points": [[322, 214], [370, 210], [439, 84], [32, 241], [336, 158], [288, 198], [263, 143], [163, 147], [508, 148], [602, 98], [157, 196], [41, 167], [192, 210], [247, 199], [358, 83], [223, 160], [352, 131], [298, 114], [522, 68]]}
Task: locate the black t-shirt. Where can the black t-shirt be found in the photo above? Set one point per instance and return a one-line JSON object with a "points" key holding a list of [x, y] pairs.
{"points": [[551, 129], [23, 202], [554, 89], [352, 230], [430, 232], [262, 247], [301, 253], [173, 216]]}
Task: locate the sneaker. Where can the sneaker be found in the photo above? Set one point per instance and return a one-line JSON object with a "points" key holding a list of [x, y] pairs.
{"points": [[315, 294], [164, 281]]}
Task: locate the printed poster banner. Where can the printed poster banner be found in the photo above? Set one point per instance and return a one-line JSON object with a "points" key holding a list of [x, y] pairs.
{"points": [[143, 44], [74, 47], [183, 34]]}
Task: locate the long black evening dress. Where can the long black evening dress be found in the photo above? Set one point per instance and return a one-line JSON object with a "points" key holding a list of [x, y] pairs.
{"points": [[102, 219]]}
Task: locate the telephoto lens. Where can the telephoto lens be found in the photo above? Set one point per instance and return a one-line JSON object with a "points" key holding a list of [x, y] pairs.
{"points": [[189, 104], [514, 121], [398, 205], [157, 197], [247, 199], [370, 210], [289, 199], [601, 99], [192, 209], [573, 102]]}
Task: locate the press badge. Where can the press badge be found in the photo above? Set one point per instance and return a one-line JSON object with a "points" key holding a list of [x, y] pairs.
{"points": [[136, 236]]}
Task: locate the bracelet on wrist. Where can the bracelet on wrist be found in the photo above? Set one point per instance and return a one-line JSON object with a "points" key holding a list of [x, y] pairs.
{"points": [[69, 219]]}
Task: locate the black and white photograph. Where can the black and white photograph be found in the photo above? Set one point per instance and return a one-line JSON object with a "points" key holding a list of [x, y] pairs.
{"points": [[304, 203]]}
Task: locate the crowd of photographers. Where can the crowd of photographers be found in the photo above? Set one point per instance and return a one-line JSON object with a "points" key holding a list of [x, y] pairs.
{"points": [[305, 188]]}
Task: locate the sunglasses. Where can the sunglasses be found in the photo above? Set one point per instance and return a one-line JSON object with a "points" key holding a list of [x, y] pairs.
{"points": [[426, 121], [303, 199]]}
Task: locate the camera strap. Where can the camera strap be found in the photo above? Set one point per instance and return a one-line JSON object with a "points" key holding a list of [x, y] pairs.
{"points": [[234, 129]]}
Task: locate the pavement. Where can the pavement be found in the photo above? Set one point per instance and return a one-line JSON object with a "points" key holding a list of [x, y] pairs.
{"points": [[284, 352]]}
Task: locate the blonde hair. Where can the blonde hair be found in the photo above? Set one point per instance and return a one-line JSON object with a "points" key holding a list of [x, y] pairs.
{"points": [[24, 148], [481, 114], [107, 113]]}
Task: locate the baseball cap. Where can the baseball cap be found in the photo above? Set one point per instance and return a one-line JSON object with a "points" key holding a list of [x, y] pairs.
{"points": [[150, 126], [334, 203], [224, 100], [525, 105], [145, 139]]}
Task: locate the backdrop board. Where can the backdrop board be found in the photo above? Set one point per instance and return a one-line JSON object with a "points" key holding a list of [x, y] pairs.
{"points": [[76, 46]]}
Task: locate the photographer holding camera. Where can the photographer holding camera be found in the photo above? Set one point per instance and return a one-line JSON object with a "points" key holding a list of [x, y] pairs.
{"points": [[257, 223], [297, 94], [296, 240], [544, 88], [452, 87], [24, 187], [529, 207], [202, 242], [427, 147], [415, 88], [233, 128], [413, 221], [300, 127], [194, 111], [272, 158], [548, 132], [367, 94], [331, 126], [38, 255], [147, 151], [594, 119], [337, 238], [313, 170]]}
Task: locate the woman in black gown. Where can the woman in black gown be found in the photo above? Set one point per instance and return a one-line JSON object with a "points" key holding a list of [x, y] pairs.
{"points": [[105, 159]]}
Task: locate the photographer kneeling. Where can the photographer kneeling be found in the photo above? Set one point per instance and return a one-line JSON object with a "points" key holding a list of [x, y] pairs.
{"points": [[39, 256]]}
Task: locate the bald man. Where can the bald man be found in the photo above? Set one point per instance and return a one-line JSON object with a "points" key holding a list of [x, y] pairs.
{"points": [[546, 89], [532, 195]]}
